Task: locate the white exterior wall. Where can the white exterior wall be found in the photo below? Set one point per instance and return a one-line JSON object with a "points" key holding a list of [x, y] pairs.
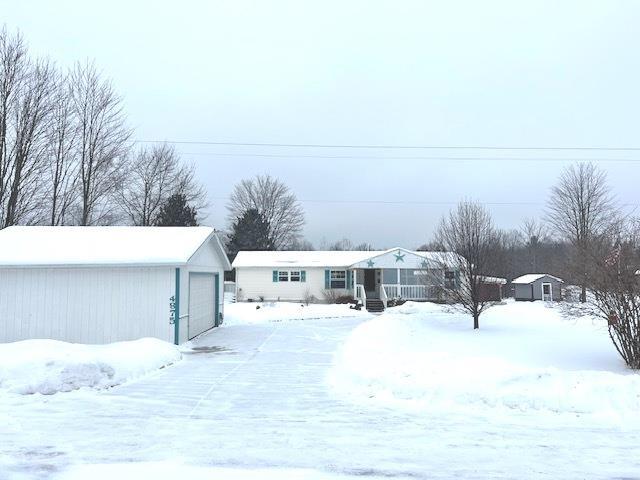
{"points": [[254, 282], [86, 305]]}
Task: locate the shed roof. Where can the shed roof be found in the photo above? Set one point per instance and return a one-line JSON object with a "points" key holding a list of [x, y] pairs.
{"points": [[59, 246], [532, 277], [318, 258]]}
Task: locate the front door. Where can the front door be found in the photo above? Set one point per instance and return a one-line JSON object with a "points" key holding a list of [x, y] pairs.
{"points": [[547, 293], [370, 282]]}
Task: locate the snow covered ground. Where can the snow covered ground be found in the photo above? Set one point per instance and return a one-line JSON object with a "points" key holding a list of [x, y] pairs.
{"points": [[50, 366], [252, 401], [260, 312], [525, 356]]}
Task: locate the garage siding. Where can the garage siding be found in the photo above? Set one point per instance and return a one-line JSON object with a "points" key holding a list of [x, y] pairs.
{"points": [[206, 260], [86, 305]]}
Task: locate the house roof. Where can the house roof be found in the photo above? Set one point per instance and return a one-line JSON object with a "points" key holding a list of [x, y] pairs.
{"points": [[532, 277], [293, 258], [58, 246], [318, 258]]}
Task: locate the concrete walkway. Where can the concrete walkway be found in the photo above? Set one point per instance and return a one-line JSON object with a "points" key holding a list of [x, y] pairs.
{"points": [[256, 397]]}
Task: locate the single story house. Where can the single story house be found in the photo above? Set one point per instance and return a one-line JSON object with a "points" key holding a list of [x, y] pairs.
{"points": [[537, 286], [372, 277], [107, 284]]}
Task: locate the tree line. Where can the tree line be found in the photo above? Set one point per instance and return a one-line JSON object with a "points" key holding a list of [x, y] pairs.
{"points": [[66, 155]]}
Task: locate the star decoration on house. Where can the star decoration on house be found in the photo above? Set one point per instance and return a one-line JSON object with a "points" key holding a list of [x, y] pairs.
{"points": [[399, 256], [424, 264], [370, 264]]}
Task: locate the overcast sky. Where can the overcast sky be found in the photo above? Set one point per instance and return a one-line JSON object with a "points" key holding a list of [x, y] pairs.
{"points": [[447, 73]]}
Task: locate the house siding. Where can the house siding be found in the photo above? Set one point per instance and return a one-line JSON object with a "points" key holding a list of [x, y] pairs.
{"points": [[255, 282]]}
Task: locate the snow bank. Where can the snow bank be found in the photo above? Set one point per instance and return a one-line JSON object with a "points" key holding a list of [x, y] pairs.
{"points": [[50, 366], [249, 312], [171, 470], [525, 356]]}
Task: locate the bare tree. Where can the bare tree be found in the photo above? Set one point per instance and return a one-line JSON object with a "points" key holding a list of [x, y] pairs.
{"points": [[62, 155], [275, 202], [580, 209], [26, 89], [468, 238], [102, 143], [534, 235], [156, 175], [13, 66], [616, 288]]}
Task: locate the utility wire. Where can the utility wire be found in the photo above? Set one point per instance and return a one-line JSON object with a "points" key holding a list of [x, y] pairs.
{"points": [[365, 157], [389, 147], [419, 202]]}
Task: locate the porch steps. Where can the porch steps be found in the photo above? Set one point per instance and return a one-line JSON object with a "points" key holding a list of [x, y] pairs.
{"points": [[374, 305]]}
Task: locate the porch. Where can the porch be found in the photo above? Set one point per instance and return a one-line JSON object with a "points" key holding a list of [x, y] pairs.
{"points": [[377, 286]]}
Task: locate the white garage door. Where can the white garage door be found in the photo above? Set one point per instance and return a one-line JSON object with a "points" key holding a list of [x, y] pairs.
{"points": [[202, 298]]}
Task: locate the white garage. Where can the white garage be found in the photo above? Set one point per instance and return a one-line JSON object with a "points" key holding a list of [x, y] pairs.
{"points": [[107, 284]]}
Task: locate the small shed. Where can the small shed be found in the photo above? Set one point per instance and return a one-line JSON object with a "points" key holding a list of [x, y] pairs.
{"points": [[537, 286], [490, 288], [108, 284]]}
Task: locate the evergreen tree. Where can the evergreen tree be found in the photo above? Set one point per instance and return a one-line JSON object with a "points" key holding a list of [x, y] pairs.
{"points": [[249, 232], [176, 212]]}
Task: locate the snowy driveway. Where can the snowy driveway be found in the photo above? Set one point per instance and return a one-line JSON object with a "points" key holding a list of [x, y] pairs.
{"points": [[256, 397]]}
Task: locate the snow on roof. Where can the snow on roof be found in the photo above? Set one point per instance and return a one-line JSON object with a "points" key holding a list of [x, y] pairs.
{"points": [[31, 246], [294, 258], [494, 280], [532, 277], [317, 258]]}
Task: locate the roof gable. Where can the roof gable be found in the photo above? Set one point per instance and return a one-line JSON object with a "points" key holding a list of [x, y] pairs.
{"points": [[74, 246], [392, 258], [532, 277]]}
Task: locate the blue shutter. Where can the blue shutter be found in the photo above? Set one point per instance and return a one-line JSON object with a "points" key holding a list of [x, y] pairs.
{"points": [[349, 280], [275, 275], [303, 276], [327, 279], [457, 280]]}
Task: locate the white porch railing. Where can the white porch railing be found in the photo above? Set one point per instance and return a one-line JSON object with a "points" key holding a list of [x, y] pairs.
{"points": [[360, 294], [412, 292], [383, 296]]}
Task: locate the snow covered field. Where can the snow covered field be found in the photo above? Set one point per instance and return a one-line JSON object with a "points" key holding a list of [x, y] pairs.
{"points": [[260, 312], [526, 356], [252, 401], [50, 366]]}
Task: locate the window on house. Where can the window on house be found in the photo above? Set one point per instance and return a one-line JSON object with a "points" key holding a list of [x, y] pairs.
{"points": [[338, 279], [294, 276], [449, 279], [283, 276]]}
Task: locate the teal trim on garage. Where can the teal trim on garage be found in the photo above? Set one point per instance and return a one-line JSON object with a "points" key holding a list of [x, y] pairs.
{"points": [[217, 300], [176, 312]]}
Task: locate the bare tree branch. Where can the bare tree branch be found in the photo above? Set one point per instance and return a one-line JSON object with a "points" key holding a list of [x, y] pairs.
{"points": [[275, 202]]}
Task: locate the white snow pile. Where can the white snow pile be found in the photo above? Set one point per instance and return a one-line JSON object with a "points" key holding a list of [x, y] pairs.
{"points": [[51, 366], [263, 312], [525, 356]]}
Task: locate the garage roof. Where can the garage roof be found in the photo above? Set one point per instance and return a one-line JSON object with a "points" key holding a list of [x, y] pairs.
{"points": [[59, 246]]}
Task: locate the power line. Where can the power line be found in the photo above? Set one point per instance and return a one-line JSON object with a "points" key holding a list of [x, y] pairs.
{"points": [[368, 157], [420, 202], [389, 147]]}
